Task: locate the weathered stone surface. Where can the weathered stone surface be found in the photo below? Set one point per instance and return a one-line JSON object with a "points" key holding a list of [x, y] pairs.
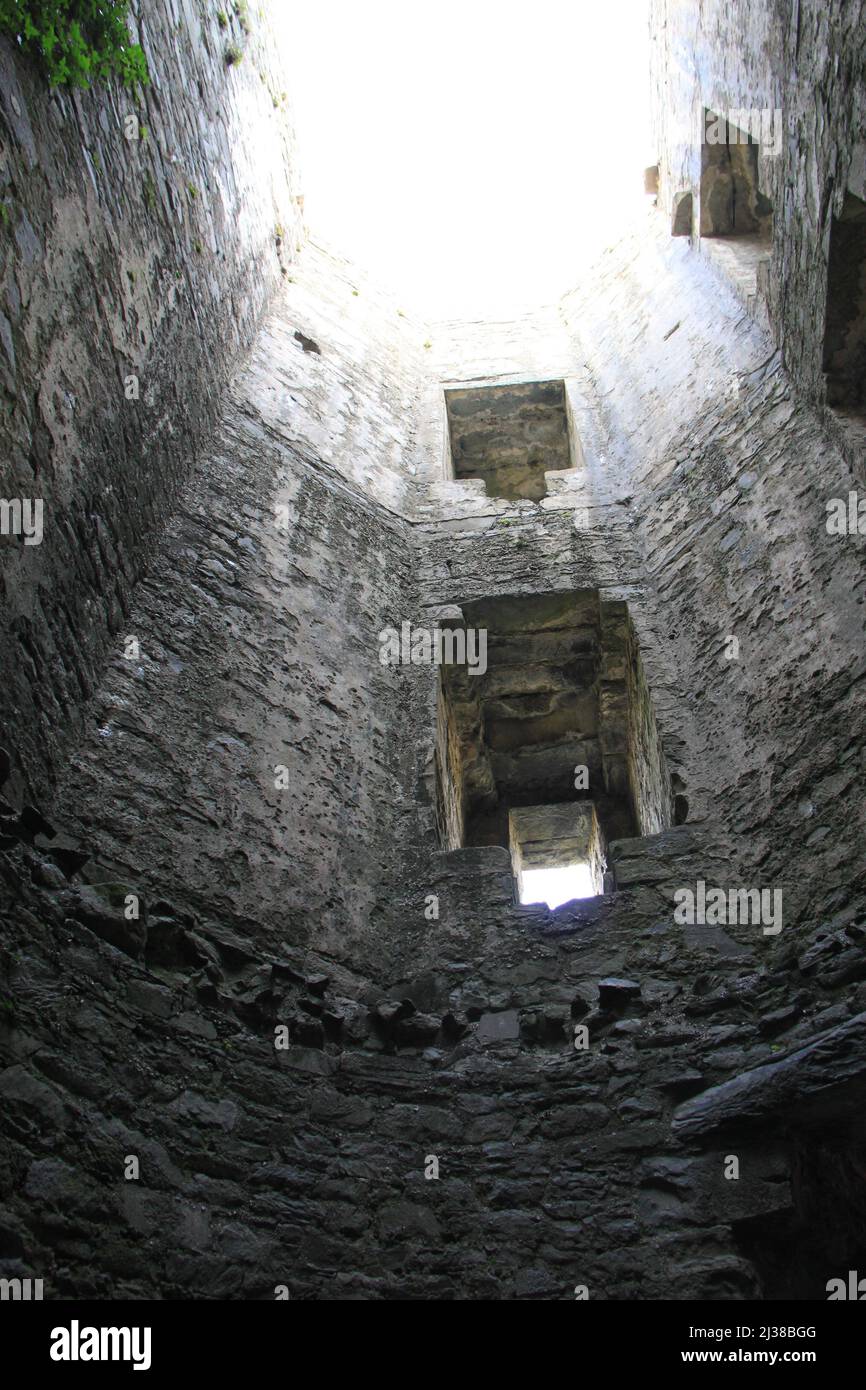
{"points": [[103, 908], [150, 258], [429, 1015], [806, 157], [821, 1083], [498, 1027], [617, 994]]}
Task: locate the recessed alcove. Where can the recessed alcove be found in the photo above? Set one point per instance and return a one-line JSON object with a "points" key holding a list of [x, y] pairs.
{"points": [[732, 203], [553, 751], [509, 436], [845, 320], [681, 214], [735, 218]]}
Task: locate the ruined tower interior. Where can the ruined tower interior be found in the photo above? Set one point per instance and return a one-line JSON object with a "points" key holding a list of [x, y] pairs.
{"points": [[283, 1010]]}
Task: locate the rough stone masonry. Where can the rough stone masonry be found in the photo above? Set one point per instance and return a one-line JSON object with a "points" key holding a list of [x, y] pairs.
{"points": [[271, 1013]]}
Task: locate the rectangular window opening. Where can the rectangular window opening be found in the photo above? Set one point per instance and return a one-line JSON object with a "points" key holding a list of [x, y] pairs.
{"points": [[555, 886], [553, 751], [557, 852], [510, 436]]}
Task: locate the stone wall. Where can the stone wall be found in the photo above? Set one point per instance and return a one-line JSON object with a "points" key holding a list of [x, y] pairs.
{"points": [[150, 258], [254, 750], [453, 1134], [730, 493], [431, 1124], [805, 62], [448, 1035]]}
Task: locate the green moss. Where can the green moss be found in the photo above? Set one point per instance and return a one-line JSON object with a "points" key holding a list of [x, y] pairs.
{"points": [[76, 42], [148, 189], [233, 54], [222, 19], [242, 10]]}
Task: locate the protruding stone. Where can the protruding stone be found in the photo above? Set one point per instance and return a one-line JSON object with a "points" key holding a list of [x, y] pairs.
{"points": [[614, 993], [822, 1082], [317, 984], [33, 823], [416, 1031], [307, 1031], [70, 859], [102, 908], [500, 1027], [391, 1011]]}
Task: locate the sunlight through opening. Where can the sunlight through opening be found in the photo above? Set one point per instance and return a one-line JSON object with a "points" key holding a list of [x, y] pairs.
{"points": [[471, 157], [557, 886]]}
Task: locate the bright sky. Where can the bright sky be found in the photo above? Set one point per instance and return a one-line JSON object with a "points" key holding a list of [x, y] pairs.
{"points": [[555, 886], [470, 154]]}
